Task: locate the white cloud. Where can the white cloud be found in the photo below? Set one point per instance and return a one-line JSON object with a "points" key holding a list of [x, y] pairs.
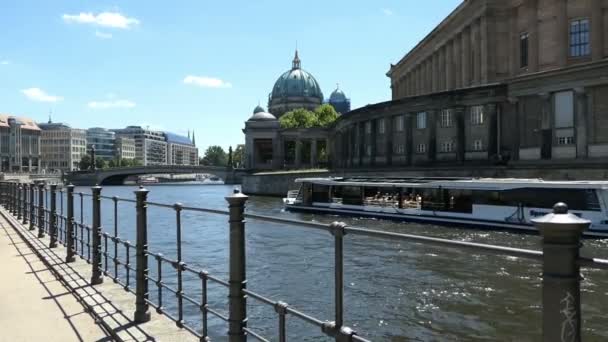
{"points": [[5, 62], [103, 35], [387, 11], [37, 94], [111, 104], [105, 19], [206, 82]]}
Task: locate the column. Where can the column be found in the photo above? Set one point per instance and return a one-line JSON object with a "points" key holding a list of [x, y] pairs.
{"points": [[441, 53], [513, 42], [372, 158], [580, 105], [420, 79], [361, 142], [388, 132], [483, 49], [432, 138], [465, 48], [298, 153], [459, 117], [449, 70], [427, 75], [532, 35], [415, 79], [517, 123], [456, 61], [313, 153], [597, 30], [475, 52], [492, 132], [545, 127], [561, 32], [435, 72]]}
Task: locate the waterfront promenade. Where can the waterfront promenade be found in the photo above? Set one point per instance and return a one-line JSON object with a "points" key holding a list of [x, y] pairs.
{"points": [[43, 298]]}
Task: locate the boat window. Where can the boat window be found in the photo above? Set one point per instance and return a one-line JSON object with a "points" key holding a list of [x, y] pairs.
{"points": [[381, 197], [351, 195], [576, 199], [320, 193]]}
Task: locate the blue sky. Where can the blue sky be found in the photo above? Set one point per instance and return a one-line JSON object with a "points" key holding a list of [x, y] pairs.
{"points": [[195, 65]]}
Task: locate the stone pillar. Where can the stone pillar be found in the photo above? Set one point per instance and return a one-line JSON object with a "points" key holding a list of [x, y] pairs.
{"points": [[420, 79], [483, 49], [298, 160], [449, 69], [546, 126], [580, 105], [313, 153], [517, 124], [514, 43], [415, 79], [475, 51], [442, 79], [361, 142], [461, 143], [532, 35], [561, 32], [435, 72], [431, 124], [456, 62], [597, 30], [428, 66], [491, 116], [388, 131], [465, 49], [373, 143]]}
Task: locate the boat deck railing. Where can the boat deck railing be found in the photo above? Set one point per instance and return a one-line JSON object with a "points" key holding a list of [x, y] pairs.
{"points": [[130, 264]]}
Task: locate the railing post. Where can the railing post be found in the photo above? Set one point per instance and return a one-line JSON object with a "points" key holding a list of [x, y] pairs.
{"points": [[96, 276], [561, 301], [142, 309], [14, 199], [338, 231], [237, 306], [53, 217], [41, 210], [25, 206], [69, 234], [31, 211], [18, 201]]}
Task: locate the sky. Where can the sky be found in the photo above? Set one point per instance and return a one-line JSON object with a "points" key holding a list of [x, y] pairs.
{"points": [[195, 65]]}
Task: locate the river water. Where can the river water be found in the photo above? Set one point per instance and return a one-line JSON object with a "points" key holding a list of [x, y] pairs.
{"points": [[394, 291]]}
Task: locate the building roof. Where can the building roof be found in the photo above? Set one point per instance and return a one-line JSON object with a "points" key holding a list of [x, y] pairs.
{"points": [[177, 139], [296, 83], [26, 123]]}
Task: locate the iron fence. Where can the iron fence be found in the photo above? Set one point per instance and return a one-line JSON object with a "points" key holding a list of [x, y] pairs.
{"points": [[108, 253]]}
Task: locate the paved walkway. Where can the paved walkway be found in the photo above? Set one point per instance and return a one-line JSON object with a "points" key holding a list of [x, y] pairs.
{"points": [[34, 305]]}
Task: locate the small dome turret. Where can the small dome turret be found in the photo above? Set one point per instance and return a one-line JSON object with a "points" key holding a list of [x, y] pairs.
{"points": [[258, 109], [259, 114]]}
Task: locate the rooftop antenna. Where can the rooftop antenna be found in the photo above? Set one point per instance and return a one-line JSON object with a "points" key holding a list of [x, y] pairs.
{"points": [[50, 113]]}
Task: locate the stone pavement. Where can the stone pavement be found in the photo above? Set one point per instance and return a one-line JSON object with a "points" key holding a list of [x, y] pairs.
{"points": [[43, 298]]}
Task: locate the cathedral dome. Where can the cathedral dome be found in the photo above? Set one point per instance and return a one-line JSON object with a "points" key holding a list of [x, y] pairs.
{"points": [[259, 114], [295, 88], [337, 96]]}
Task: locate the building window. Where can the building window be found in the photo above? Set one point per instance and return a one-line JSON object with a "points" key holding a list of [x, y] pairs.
{"points": [[478, 145], [368, 127], [399, 149], [523, 50], [368, 150], [579, 38], [564, 109], [421, 148], [399, 123], [421, 120], [565, 140], [447, 119], [477, 117], [447, 146], [381, 127]]}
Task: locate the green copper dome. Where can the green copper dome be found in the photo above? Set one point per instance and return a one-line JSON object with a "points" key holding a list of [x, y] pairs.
{"points": [[258, 109], [296, 83]]}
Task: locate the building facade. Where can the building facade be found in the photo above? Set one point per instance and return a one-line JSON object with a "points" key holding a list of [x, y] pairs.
{"points": [[150, 146], [61, 147], [180, 150], [124, 148], [515, 81], [19, 144], [103, 140]]}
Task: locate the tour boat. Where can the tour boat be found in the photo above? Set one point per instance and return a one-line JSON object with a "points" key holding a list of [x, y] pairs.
{"points": [[482, 202]]}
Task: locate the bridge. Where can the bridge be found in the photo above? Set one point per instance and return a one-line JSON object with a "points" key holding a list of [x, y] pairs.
{"points": [[116, 176]]}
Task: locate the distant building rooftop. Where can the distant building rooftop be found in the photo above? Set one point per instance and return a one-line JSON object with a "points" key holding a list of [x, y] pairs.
{"points": [[26, 123], [177, 139]]}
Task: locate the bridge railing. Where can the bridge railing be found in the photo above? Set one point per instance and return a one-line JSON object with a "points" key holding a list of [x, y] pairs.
{"points": [[37, 205]]}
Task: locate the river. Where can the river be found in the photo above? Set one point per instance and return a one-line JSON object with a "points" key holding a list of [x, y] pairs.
{"points": [[394, 291]]}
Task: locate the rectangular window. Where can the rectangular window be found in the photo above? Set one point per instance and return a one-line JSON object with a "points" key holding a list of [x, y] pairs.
{"points": [[421, 120], [478, 145], [368, 127], [447, 146], [421, 148], [477, 117], [368, 150], [564, 109], [381, 127], [399, 123], [447, 119], [523, 50], [579, 38], [565, 140]]}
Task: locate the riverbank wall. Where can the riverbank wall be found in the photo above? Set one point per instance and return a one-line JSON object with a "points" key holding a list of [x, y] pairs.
{"points": [[278, 183]]}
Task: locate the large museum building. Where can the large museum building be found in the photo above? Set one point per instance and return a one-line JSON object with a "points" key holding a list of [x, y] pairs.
{"points": [[496, 81]]}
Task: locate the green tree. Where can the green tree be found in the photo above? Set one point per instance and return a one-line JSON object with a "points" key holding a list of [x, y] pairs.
{"points": [[85, 162], [326, 115], [112, 163], [298, 118], [132, 162], [238, 156], [215, 156], [100, 163]]}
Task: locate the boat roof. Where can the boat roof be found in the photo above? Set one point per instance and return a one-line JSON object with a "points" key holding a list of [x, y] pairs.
{"points": [[457, 183]]}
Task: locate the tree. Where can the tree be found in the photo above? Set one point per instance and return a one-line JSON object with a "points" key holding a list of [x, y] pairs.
{"points": [[238, 156], [85, 162], [326, 115], [112, 163], [298, 118], [215, 156], [100, 163]]}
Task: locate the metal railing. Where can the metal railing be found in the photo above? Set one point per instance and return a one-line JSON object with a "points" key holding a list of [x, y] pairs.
{"points": [[560, 259]]}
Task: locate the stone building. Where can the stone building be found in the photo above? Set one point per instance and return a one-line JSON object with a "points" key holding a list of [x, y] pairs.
{"points": [[19, 144], [150, 146], [124, 148], [517, 81], [61, 146], [180, 150]]}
